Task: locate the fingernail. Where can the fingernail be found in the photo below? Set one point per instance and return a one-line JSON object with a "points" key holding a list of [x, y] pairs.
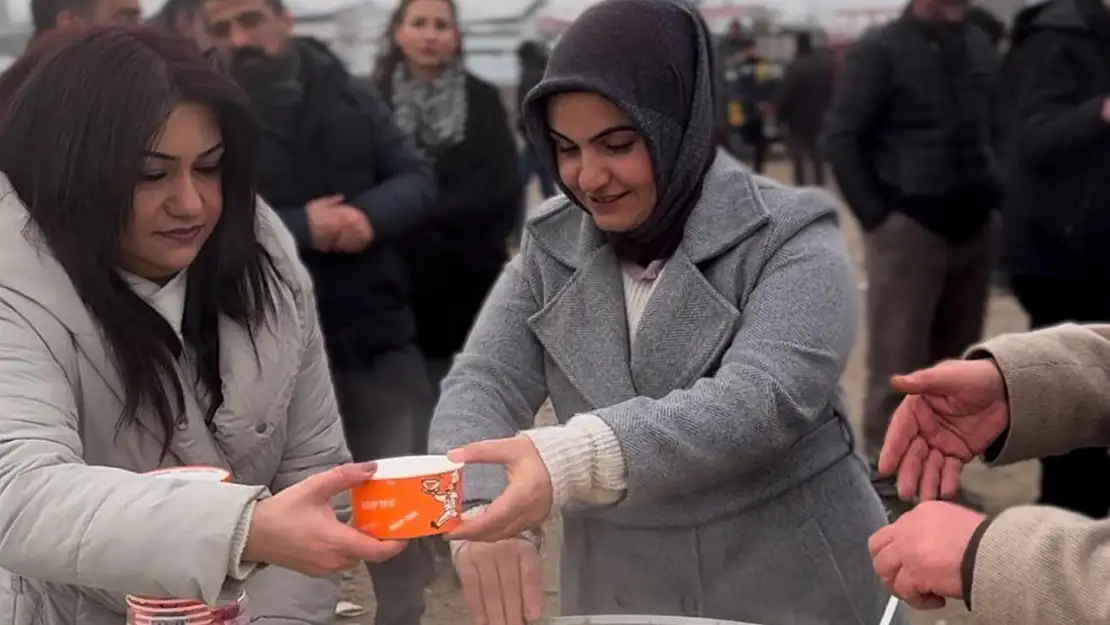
{"points": [[367, 467]]}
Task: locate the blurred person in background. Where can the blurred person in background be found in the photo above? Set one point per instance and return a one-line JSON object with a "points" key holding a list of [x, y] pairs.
{"points": [[184, 18], [350, 184], [533, 61], [733, 41], [459, 122], [154, 315], [909, 137], [46, 15], [746, 90], [1057, 228], [800, 105], [690, 323]]}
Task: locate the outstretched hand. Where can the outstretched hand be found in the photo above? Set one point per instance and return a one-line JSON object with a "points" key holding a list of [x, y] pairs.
{"points": [[952, 412]]}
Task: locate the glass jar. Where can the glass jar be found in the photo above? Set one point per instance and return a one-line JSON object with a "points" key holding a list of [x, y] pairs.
{"points": [[229, 609]]}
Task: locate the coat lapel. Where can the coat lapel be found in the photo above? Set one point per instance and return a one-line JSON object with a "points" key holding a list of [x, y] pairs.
{"points": [[685, 327], [687, 323], [585, 331]]}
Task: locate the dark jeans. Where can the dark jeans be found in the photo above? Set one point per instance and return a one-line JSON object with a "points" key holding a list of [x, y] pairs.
{"points": [[1074, 481], [382, 408], [806, 160]]}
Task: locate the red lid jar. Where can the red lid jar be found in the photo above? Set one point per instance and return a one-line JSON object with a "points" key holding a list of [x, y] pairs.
{"points": [[229, 610]]}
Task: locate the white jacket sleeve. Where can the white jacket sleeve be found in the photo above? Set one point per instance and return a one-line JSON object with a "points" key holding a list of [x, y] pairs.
{"points": [[67, 522]]}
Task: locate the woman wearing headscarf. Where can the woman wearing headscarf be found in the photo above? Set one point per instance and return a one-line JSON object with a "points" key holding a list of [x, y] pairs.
{"points": [[459, 122], [689, 323], [153, 315]]}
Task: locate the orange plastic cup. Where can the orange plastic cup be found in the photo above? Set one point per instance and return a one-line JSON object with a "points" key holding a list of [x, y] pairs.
{"points": [[409, 497], [193, 474]]}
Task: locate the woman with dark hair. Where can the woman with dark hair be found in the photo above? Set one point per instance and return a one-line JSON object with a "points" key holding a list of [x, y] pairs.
{"points": [[689, 323], [152, 316], [459, 121], [183, 17]]}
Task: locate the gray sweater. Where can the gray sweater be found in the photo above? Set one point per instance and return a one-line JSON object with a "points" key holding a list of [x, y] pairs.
{"points": [[727, 397]]}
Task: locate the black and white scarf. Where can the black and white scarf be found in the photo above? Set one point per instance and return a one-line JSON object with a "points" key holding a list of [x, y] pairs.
{"points": [[433, 113]]}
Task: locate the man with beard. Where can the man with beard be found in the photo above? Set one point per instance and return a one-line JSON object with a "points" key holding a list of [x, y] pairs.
{"points": [[349, 184], [46, 15]]}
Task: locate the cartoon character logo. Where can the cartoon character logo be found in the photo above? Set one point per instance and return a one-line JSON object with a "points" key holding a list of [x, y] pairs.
{"points": [[445, 490]]}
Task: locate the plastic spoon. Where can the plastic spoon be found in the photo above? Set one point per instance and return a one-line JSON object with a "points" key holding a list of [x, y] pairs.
{"points": [[891, 609]]}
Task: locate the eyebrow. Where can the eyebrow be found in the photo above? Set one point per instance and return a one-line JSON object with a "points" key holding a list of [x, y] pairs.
{"points": [[600, 135], [169, 157]]}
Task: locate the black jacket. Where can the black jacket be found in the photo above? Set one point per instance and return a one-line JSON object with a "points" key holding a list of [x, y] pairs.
{"points": [[459, 251], [805, 93], [1058, 197], [341, 139], [910, 126]]}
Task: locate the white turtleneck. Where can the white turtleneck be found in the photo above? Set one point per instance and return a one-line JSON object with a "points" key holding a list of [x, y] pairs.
{"points": [[168, 299]]}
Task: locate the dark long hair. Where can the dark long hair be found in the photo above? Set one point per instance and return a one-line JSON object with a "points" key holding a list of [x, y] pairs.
{"points": [[390, 55], [78, 112]]}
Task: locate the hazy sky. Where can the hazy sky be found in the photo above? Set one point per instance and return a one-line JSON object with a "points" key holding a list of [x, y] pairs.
{"points": [[18, 8]]}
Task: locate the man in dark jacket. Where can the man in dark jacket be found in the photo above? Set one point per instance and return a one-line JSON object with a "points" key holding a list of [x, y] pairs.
{"points": [[803, 98], [349, 184], [908, 134], [1057, 227]]}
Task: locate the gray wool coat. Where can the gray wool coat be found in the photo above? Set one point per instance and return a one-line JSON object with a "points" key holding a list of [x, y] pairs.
{"points": [[744, 498]]}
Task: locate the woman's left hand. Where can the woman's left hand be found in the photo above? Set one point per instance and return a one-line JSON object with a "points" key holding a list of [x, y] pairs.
{"points": [[526, 501]]}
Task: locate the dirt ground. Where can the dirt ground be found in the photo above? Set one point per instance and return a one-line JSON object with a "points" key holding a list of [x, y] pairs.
{"points": [[998, 488]]}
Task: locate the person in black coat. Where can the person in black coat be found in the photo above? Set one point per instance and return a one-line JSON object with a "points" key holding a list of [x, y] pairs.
{"points": [[1057, 201], [803, 97], [460, 123]]}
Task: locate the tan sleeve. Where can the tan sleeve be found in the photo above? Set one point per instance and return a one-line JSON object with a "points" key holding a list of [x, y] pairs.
{"points": [[1038, 565], [1058, 380]]}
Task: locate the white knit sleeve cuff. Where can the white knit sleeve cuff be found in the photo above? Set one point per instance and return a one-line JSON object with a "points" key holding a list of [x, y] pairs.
{"points": [[236, 568], [584, 459]]}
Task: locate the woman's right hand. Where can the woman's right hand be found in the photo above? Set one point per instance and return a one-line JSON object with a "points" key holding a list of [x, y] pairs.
{"points": [[297, 528], [502, 581], [952, 413]]}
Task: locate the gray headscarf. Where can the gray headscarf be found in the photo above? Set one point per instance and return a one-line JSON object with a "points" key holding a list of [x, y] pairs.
{"points": [[654, 60]]}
